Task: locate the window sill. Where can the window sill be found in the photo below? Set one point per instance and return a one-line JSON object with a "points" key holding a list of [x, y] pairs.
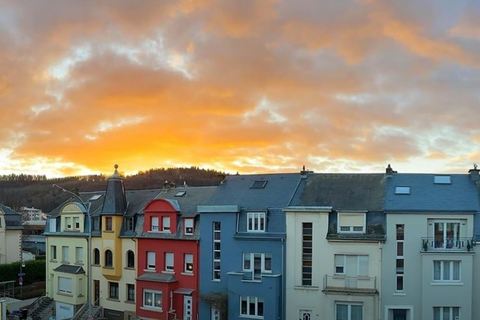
{"points": [[109, 231], [308, 288], [78, 263], [54, 261], [151, 309], [96, 265], [250, 317], [65, 294], [168, 272], [129, 302], [113, 299], [129, 268], [446, 283], [149, 270], [65, 262], [399, 294], [190, 274], [108, 268]]}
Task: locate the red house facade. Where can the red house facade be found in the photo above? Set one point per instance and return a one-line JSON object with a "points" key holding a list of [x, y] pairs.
{"points": [[167, 280]]}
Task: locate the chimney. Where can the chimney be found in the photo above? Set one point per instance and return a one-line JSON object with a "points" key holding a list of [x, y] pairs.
{"points": [[304, 172], [474, 174], [389, 170]]}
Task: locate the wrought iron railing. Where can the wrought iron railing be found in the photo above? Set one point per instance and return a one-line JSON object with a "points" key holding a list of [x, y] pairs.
{"points": [[449, 244]]}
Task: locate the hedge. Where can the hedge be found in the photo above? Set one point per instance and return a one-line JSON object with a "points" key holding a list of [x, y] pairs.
{"points": [[34, 271]]}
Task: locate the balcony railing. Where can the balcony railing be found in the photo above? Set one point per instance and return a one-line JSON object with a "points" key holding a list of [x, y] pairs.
{"points": [[349, 284], [454, 244]]}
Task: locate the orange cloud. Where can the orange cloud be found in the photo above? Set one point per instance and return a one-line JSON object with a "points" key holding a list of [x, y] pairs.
{"points": [[240, 86]]}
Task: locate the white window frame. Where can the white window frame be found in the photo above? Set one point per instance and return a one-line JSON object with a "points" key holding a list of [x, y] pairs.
{"points": [[65, 257], [169, 262], [166, 227], [214, 251], [154, 293], [343, 264], [189, 226], [188, 260], [450, 313], [349, 308], [68, 223], [151, 257], [256, 219], [68, 285], [79, 255], [75, 220], [251, 258], [304, 312], [53, 253], [444, 223], [451, 273], [252, 314], [351, 229], [154, 224]]}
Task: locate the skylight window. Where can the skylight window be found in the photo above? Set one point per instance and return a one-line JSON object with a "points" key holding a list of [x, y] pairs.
{"points": [[442, 179], [95, 197], [259, 184], [402, 190], [180, 193]]}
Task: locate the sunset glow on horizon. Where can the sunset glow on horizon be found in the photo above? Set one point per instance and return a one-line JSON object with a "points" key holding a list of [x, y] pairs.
{"points": [[239, 86]]}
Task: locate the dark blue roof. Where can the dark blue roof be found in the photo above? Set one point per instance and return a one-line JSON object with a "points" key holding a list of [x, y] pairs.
{"points": [[459, 196], [246, 191]]}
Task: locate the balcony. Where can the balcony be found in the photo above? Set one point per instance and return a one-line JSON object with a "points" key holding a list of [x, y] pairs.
{"points": [[447, 245], [358, 285]]}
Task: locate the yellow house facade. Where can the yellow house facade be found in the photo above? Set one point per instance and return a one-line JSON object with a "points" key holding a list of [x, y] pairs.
{"points": [[67, 259]]}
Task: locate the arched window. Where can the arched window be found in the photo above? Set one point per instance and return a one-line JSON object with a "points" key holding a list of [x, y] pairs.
{"points": [[108, 258], [96, 256], [130, 259]]}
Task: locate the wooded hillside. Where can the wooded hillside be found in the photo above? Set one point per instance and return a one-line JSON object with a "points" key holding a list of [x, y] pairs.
{"points": [[36, 191]]}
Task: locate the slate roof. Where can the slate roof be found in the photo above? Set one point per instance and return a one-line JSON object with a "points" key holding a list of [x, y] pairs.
{"points": [[13, 220], [459, 196], [237, 190], [65, 268], [193, 197], [157, 277], [342, 191]]}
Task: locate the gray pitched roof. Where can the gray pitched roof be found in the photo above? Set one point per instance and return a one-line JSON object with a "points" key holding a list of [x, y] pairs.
{"points": [[13, 220], [66, 268], [189, 197], [342, 191], [459, 196], [242, 190]]}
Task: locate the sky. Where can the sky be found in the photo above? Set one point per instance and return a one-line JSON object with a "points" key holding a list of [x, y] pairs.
{"points": [[239, 86]]}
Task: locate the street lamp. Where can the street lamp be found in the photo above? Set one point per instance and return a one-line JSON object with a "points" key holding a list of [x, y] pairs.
{"points": [[89, 244]]}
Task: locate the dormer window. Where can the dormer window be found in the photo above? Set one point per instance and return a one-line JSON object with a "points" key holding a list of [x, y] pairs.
{"points": [[76, 223], [68, 223], [154, 227], [256, 222], [189, 227], [166, 224], [351, 222]]}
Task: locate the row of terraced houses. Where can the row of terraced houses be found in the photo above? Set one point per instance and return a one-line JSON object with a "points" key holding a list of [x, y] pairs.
{"points": [[307, 246]]}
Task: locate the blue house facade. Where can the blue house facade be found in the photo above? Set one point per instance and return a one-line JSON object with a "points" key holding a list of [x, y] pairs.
{"points": [[243, 247]]}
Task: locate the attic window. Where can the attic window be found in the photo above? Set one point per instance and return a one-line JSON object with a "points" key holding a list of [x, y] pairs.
{"points": [[180, 193], [259, 184], [402, 190], [442, 179], [95, 197]]}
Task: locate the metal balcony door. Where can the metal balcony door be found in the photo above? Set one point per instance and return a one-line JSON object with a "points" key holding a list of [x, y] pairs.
{"points": [[187, 308]]}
